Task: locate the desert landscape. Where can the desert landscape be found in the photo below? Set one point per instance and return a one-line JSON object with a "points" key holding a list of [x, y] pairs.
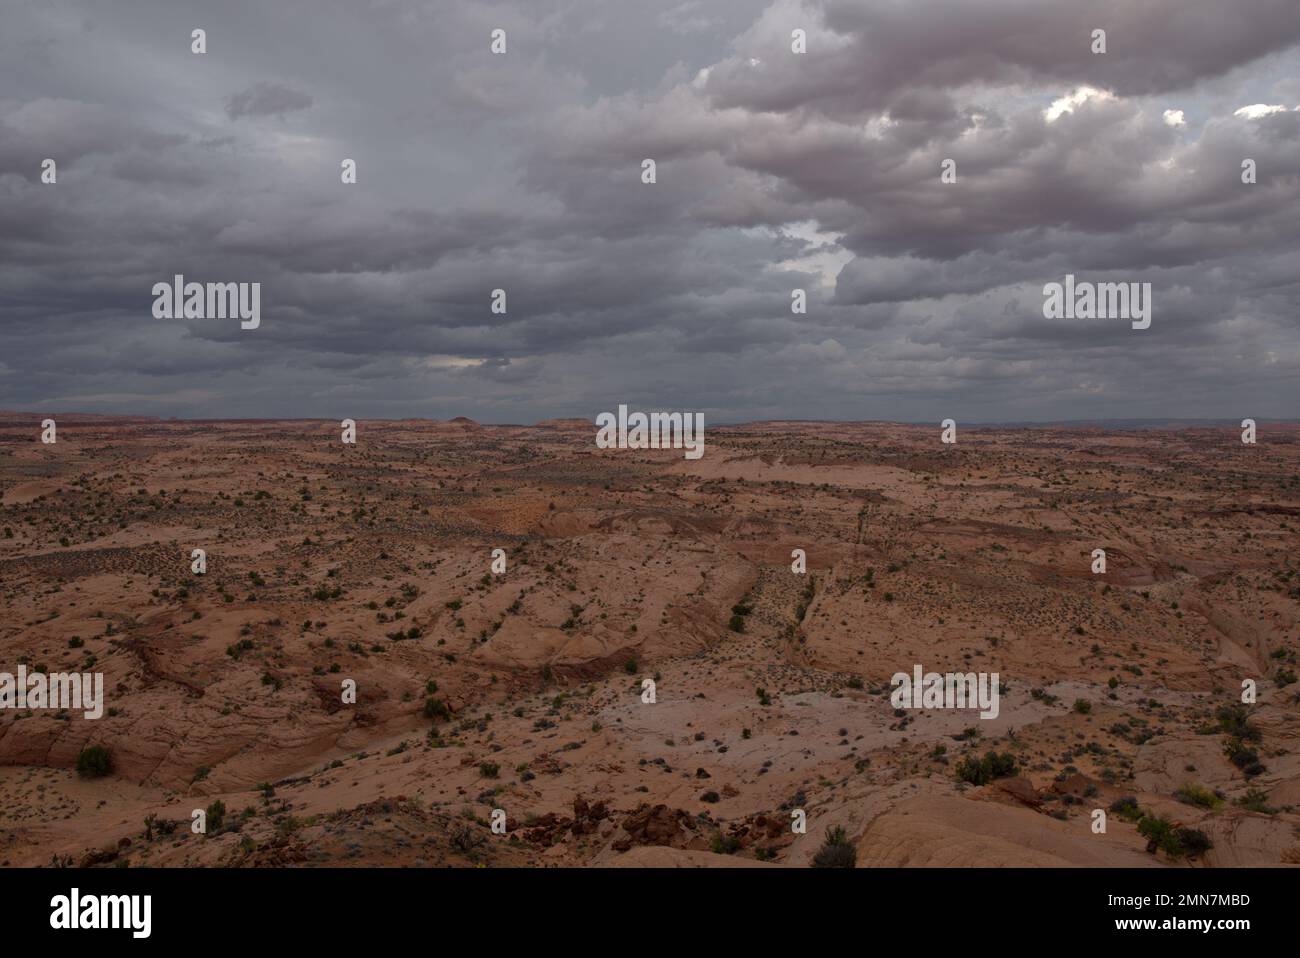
{"points": [[522, 692]]}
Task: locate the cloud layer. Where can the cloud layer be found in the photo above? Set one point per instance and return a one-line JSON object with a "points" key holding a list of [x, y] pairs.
{"points": [[775, 171]]}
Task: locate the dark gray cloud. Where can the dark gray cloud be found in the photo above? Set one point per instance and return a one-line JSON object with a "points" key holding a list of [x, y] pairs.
{"points": [[266, 99], [775, 170], [870, 56]]}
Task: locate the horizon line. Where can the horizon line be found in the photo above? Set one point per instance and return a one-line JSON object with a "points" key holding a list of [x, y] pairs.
{"points": [[1146, 422]]}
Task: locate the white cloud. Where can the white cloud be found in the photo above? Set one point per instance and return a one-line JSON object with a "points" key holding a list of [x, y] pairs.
{"points": [[1256, 110], [1067, 103]]}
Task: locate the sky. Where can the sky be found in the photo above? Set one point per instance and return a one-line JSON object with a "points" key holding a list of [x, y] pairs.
{"points": [[774, 171]]}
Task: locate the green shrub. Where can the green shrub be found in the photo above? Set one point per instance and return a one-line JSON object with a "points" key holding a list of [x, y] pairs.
{"points": [[1256, 800], [836, 851], [94, 762], [216, 816], [1160, 836], [1126, 808], [984, 770], [1194, 842], [1245, 758], [1176, 842], [1233, 719], [1199, 795], [724, 844]]}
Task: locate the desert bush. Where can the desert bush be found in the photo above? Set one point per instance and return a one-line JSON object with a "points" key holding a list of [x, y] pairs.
{"points": [[1194, 841], [94, 762], [1256, 800], [239, 648], [216, 815], [1160, 836], [836, 851], [1234, 720], [465, 838], [1126, 808], [1199, 795], [1244, 757], [724, 844], [984, 770]]}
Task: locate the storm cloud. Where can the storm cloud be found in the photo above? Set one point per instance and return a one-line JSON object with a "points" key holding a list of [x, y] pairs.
{"points": [[776, 170]]}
